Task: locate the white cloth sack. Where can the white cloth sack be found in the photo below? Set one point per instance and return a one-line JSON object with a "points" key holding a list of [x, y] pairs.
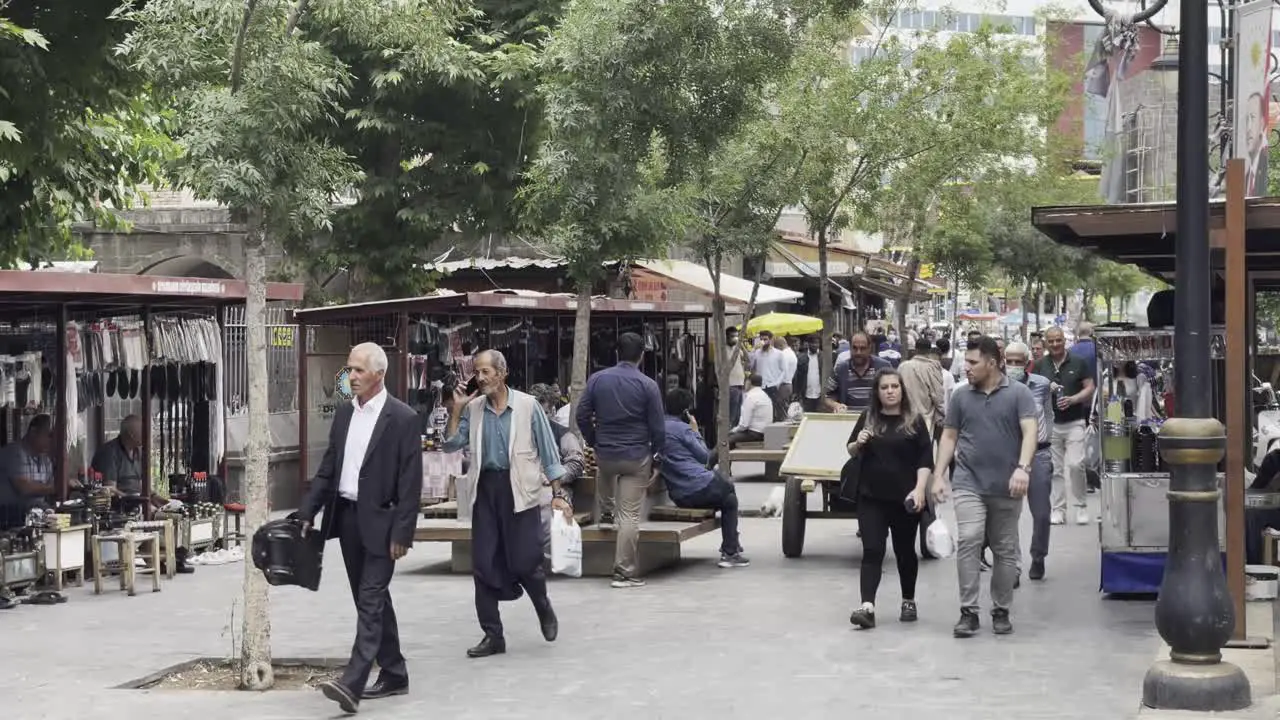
{"points": [[566, 546], [938, 539]]}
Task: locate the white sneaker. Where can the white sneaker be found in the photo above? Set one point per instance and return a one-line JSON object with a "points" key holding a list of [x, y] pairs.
{"points": [[1057, 517], [1082, 517]]}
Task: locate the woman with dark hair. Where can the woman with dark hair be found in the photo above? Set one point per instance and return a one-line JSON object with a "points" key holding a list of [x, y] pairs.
{"points": [[895, 450]]}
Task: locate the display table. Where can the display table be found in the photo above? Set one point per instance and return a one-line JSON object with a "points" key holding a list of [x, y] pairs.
{"points": [[64, 552], [438, 469], [194, 534]]}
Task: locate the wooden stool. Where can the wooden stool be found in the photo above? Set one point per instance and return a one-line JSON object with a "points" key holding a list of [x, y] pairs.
{"points": [[232, 511], [168, 545], [129, 544]]}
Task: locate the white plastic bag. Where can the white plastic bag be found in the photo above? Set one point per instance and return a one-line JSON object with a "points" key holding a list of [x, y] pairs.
{"points": [[566, 546], [938, 539]]}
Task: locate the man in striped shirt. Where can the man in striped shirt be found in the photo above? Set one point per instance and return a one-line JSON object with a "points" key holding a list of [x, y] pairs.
{"points": [[850, 385]]}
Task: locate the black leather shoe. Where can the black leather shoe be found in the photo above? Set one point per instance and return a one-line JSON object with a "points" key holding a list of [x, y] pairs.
{"points": [[338, 693], [550, 624], [387, 686], [488, 646]]}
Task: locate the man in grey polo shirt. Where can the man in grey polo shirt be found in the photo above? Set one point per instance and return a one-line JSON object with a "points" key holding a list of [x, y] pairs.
{"points": [[991, 432]]}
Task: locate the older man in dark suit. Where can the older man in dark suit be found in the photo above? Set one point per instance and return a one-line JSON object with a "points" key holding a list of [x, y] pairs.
{"points": [[369, 485]]}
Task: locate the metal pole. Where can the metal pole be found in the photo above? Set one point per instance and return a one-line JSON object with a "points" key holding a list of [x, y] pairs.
{"points": [[1194, 613]]}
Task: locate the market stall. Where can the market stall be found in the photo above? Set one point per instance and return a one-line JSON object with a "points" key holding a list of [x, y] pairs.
{"points": [[80, 352], [435, 338]]}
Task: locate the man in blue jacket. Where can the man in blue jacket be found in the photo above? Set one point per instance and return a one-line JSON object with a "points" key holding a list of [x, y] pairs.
{"points": [[690, 483], [620, 415]]}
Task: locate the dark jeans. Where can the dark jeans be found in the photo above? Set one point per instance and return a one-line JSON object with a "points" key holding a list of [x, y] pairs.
{"points": [[735, 405], [880, 520], [718, 495], [811, 404]]}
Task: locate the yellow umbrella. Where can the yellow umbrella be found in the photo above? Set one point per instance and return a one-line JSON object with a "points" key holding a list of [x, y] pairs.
{"points": [[784, 324]]}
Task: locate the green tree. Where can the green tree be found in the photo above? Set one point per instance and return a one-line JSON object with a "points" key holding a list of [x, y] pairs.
{"points": [[441, 154], [638, 96], [1116, 283], [251, 88], [77, 132], [886, 134]]}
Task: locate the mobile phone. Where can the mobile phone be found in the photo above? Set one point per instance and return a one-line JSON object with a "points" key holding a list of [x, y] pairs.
{"points": [[473, 385], [910, 504]]}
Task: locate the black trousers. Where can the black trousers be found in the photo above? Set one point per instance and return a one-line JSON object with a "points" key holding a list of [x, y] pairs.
{"points": [[718, 495], [377, 632], [506, 551], [879, 521]]}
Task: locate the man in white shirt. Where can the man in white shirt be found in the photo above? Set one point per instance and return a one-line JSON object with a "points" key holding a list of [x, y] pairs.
{"points": [[757, 413], [782, 400], [808, 375], [770, 365]]}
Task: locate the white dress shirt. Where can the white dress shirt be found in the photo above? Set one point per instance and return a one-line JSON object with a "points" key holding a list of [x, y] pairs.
{"points": [[363, 420], [813, 381], [771, 366], [757, 411], [789, 364]]}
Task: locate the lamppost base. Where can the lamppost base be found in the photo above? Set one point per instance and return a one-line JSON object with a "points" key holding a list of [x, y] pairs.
{"points": [[1219, 687]]}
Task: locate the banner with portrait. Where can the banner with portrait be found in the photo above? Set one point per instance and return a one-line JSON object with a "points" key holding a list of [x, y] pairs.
{"points": [[1252, 92]]}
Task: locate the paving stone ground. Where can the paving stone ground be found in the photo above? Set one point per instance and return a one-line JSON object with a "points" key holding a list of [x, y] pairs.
{"points": [[768, 641]]}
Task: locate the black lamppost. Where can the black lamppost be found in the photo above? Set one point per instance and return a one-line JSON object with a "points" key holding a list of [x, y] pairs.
{"points": [[1194, 614]]}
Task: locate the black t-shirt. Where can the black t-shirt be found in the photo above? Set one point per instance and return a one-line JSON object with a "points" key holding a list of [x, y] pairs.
{"points": [[891, 459], [1071, 375]]}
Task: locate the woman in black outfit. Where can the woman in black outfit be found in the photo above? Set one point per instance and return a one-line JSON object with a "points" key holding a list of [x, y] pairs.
{"points": [[896, 452]]}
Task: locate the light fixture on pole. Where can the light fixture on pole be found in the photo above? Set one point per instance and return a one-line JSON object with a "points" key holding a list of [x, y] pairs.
{"points": [[1194, 613]]}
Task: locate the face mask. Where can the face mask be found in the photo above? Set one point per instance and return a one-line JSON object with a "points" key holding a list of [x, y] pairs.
{"points": [[1017, 374]]}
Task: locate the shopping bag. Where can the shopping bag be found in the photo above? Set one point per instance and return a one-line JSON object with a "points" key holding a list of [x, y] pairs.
{"points": [[938, 539], [566, 546], [1092, 450]]}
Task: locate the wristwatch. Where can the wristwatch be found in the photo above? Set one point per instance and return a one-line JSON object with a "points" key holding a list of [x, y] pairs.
{"points": [[1025, 468]]}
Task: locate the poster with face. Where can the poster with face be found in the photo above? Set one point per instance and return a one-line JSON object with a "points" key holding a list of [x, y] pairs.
{"points": [[1252, 92]]}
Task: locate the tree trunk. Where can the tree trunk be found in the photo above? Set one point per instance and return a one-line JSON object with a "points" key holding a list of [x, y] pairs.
{"points": [[726, 356], [955, 315], [900, 304], [1107, 299], [1026, 311], [255, 642], [581, 350], [1086, 304], [1039, 307], [824, 307]]}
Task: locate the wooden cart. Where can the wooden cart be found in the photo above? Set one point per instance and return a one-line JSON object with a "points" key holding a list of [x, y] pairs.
{"points": [[813, 463]]}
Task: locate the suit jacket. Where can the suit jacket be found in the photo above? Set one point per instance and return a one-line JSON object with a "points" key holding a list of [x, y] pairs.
{"points": [[390, 493]]}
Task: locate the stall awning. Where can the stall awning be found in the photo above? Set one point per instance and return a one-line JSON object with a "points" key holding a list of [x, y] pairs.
{"points": [[98, 291], [504, 302], [732, 287]]}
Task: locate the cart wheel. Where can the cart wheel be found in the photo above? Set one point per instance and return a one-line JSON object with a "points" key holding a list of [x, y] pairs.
{"points": [[794, 509]]}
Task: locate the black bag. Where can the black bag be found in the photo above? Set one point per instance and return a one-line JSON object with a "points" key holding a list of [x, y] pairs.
{"points": [[850, 479], [287, 555]]}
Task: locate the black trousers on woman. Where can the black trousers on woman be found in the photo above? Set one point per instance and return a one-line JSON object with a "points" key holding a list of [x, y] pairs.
{"points": [[880, 521]]}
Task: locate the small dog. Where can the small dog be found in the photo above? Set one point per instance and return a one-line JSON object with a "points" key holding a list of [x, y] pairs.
{"points": [[772, 506]]}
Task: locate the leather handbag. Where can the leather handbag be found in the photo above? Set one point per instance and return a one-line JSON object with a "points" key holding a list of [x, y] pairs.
{"points": [[850, 479]]}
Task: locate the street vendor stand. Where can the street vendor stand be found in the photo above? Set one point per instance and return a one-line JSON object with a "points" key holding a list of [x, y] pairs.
{"points": [[71, 341], [1245, 242]]}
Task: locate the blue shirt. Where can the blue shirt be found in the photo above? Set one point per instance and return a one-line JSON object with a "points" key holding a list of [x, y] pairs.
{"points": [[1086, 350], [496, 439], [684, 460], [620, 414]]}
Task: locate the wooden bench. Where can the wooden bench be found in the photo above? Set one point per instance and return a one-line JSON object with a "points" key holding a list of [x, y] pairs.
{"points": [[772, 460]]}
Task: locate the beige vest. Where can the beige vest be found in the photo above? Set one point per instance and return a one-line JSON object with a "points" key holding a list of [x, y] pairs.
{"points": [[526, 467]]}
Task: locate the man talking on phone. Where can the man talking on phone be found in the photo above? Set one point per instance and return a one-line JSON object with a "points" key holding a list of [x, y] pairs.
{"points": [[369, 485]]}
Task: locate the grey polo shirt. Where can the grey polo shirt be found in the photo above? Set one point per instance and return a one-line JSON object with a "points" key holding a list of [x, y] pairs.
{"points": [[989, 434], [119, 467]]}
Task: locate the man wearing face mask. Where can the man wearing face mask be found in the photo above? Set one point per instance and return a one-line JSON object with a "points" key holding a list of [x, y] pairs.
{"points": [[1017, 358]]}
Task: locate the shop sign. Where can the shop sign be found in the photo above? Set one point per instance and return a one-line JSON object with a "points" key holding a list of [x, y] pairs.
{"points": [[647, 287], [188, 287], [282, 336]]}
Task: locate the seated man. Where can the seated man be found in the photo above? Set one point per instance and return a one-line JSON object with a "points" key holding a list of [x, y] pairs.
{"points": [[690, 484], [120, 462], [571, 457], [26, 472]]}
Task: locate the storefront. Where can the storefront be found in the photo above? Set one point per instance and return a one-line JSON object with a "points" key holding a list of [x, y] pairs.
{"points": [[87, 350], [427, 338]]}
